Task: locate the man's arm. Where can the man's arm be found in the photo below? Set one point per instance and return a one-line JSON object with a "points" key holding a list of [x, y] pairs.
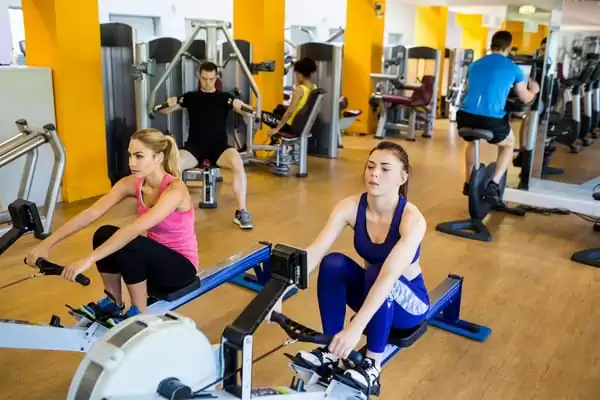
{"points": [[523, 93], [175, 104]]}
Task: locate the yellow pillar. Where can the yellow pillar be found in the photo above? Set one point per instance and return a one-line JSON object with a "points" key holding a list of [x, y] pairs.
{"points": [[363, 49], [262, 23], [431, 26], [516, 28], [65, 36], [474, 35]]}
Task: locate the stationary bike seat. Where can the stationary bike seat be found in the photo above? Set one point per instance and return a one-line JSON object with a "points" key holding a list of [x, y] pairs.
{"points": [[473, 133]]}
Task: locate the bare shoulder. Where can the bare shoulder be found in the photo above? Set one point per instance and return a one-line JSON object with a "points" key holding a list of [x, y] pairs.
{"points": [[178, 187], [412, 217], [127, 185], [347, 208]]}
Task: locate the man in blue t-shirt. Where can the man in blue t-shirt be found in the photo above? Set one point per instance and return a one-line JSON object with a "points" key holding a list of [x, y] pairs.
{"points": [[489, 81]]}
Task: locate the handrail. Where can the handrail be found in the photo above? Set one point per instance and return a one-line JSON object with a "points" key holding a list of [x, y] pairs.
{"points": [[9, 154], [340, 31]]}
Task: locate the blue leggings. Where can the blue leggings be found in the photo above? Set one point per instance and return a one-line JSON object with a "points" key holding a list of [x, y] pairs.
{"points": [[343, 282]]}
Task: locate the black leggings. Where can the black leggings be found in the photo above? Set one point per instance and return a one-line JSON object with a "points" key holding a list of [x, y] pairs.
{"points": [[145, 259], [271, 120]]}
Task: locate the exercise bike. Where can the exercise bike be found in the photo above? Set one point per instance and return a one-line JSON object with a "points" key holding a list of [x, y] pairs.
{"points": [[481, 175], [474, 228]]}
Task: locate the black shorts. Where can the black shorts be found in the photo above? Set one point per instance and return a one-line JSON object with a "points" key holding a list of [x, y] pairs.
{"points": [[499, 126], [210, 153]]}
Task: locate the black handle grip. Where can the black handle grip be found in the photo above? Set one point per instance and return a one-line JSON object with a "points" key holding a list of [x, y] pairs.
{"points": [[244, 107], [49, 268], [304, 334]]}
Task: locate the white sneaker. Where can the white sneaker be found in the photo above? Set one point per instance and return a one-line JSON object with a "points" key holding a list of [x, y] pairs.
{"points": [[366, 376], [318, 358]]}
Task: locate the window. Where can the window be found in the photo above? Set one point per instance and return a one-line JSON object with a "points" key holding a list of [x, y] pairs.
{"points": [[146, 28], [299, 34], [394, 39]]}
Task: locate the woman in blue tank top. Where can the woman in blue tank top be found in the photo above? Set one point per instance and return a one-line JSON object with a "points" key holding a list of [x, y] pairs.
{"points": [[389, 291]]}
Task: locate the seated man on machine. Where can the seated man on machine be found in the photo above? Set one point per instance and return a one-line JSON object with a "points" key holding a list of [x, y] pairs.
{"points": [[390, 292], [489, 81], [303, 71], [207, 112], [166, 258]]}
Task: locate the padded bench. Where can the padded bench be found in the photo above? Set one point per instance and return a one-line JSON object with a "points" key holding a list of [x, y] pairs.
{"points": [[407, 337], [160, 294]]}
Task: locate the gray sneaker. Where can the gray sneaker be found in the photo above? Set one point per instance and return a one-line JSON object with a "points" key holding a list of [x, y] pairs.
{"points": [[242, 218]]}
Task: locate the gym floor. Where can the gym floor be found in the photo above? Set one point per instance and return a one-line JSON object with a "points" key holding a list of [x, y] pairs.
{"points": [[542, 308]]}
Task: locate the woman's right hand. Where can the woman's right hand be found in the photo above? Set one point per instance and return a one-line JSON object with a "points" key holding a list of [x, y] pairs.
{"points": [[40, 251]]}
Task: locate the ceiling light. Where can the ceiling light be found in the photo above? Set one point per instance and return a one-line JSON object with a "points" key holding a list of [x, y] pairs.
{"points": [[527, 9]]}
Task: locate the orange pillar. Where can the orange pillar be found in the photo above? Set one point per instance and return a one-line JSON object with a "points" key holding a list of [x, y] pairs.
{"points": [[65, 36], [363, 49]]}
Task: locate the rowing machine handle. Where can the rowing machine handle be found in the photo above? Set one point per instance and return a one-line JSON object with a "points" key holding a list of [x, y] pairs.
{"points": [[49, 268], [304, 334]]}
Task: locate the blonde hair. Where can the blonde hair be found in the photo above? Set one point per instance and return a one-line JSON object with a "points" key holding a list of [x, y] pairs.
{"points": [[158, 142]]}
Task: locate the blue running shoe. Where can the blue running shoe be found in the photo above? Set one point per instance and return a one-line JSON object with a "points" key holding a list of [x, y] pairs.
{"points": [[106, 307], [132, 312]]}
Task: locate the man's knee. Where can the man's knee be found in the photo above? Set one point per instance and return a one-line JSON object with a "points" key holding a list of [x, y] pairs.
{"points": [[186, 160], [231, 159], [508, 141]]}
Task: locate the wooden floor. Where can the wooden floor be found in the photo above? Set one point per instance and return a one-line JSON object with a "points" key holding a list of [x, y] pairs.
{"points": [[543, 309]]}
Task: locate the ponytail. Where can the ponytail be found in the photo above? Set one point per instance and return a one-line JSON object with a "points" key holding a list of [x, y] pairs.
{"points": [[161, 143], [171, 157]]}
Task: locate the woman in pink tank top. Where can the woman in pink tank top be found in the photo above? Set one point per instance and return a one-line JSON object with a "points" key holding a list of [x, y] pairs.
{"points": [[166, 258]]}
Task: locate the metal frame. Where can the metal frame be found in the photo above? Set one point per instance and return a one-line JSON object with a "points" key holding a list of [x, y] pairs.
{"points": [[27, 142], [81, 336], [410, 126], [444, 313]]}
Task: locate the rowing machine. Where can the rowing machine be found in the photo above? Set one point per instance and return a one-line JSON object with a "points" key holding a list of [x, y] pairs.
{"points": [[79, 337], [165, 356]]}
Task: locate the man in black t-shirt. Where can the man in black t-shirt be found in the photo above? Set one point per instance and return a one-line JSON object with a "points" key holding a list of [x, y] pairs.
{"points": [[207, 113]]}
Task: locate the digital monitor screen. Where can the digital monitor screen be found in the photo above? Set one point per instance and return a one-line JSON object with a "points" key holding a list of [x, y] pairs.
{"points": [[526, 70]]}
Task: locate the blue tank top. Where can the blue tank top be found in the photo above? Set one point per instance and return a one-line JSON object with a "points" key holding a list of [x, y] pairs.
{"points": [[376, 253]]}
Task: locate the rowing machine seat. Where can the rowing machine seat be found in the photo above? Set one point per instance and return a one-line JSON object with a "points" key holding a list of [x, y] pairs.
{"points": [[475, 134], [407, 337], [161, 294]]}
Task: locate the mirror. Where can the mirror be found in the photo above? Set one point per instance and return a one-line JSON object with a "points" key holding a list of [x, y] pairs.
{"points": [[574, 108], [530, 28]]}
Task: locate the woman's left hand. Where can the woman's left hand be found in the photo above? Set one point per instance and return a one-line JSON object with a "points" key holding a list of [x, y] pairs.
{"points": [[345, 341], [75, 268]]}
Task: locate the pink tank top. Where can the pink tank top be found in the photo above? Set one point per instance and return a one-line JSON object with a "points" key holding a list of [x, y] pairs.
{"points": [[177, 231]]}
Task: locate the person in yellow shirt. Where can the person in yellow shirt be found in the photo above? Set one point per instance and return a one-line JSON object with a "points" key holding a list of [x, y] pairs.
{"points": [[303, 72]]}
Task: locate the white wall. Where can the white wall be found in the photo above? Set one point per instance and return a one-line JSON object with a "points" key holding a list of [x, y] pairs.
{"points": [[324, 15], [6, 42], [400, 18]]}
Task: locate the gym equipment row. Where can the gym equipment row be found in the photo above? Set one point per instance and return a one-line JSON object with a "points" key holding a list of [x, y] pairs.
{"points": [[390, 99], [166, 356], [82, 335], [27, 143]]}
